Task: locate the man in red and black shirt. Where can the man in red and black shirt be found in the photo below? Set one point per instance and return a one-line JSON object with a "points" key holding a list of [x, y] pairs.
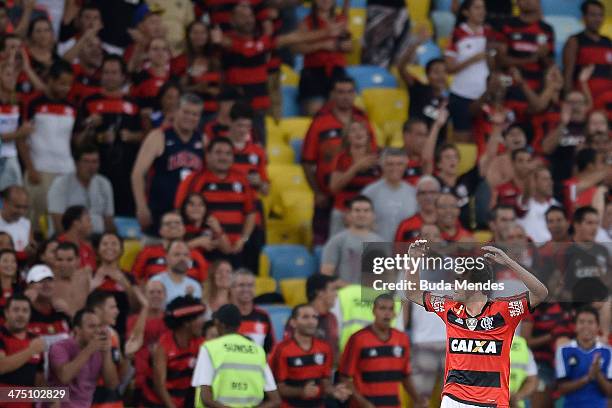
{"points": [[479, 331], [589, 47], [220, 11], [428, 190], [21, 352], [255, 322], [447, 219], [415, 132], [302, 364], [323, 142], [376, 360], [227, 193]]}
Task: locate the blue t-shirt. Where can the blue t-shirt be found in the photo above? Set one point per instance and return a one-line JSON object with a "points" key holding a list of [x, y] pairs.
{"points": [[573, 362], [174, 290]]}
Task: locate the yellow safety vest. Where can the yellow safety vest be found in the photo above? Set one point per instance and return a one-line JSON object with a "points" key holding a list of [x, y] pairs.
{"points": [[239, 366], [519, 360]]}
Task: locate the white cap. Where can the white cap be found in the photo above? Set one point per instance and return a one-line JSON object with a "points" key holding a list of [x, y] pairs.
{"points": [[38, 273]]}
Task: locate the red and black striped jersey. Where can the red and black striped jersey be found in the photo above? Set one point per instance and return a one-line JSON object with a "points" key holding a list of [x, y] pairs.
{"points": [[296, 367], [543, 123], [409, 229], [245, 64], [145, 87], [182, 66], [179, 368], [117, 111], [523, 40], [107, 397], [214, 129], [599, 53], [377, 366], [323, 141], [49, 322], [573, 199], [84, 85], [258, 327], [545, 318], [414, 171], [363, 178], [220, 11], [604, 102], [478, 347], [509, 194], [324, 59], [229, 199], [152, 260], [248, 160], [23, 376]]}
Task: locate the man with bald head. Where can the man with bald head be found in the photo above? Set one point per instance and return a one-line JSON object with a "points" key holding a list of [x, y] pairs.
{"points": [[13, 221]]}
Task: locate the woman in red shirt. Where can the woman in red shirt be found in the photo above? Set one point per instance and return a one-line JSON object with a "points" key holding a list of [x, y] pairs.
{"points": [[324, 60], [355, 167], [203, 231]]}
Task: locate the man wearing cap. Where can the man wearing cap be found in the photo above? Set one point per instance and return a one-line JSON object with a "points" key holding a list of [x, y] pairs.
{"points": [[231, 370], [48, 318]]}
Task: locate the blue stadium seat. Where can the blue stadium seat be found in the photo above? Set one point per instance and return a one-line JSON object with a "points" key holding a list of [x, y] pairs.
{"points": [[443, 22], [296, 145], [562, 7], [442, 5], [290, 103], [354, 3], [427, 52], [318, 254], [301, 12], [289, 261], [128, 227], [371, 76], [564, 26], [279, 314]]}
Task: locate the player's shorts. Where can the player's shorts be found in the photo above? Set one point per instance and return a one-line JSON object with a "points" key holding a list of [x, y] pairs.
{"points": [[448, 402]]}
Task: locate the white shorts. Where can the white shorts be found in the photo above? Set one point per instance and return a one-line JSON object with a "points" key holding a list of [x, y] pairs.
{"points": [[447, 402]]}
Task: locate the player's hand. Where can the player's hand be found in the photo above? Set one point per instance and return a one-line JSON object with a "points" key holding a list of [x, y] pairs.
{"points": [[310, 390], [341, 392], [418, 248], [496, 255], [595, 366], [38, 345]]}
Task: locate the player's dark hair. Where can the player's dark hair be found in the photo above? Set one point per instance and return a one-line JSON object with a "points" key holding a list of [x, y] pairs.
{"points": [[317, 283], [588, 310], [581, 213], [219, 140], [71, 215], [584, 7]]}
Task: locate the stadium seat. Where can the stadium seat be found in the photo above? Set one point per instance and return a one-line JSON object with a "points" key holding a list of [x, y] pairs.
{"points": [[442, 5], [293, 291], [385, 105], [43, 225], [443, 22], [279, 314], [370, 76], [294, 128], [296, 145], [274, 134], [483, 236], [285, 177], [467, 156], [354, 3], [318, 254], [264, 284], [427, 52], [561, 7], [128, 227], [289, 77], [564, 26], [288, 261], [290, 103], [278, 232], [418, 10], [280, 154], [131, 248], [302, 11], [607, 27], [356, 22]]}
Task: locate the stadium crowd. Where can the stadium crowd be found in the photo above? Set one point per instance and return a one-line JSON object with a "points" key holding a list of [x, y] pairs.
{"points": [[158, 157]]}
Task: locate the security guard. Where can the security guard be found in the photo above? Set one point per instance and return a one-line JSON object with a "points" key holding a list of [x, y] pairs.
{"points": [[523, 372], [231, 370]]}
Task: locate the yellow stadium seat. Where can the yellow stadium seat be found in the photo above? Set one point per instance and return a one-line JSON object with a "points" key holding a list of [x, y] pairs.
{"points": [[418, 10], [288, 76], [607, 26], [385, 104], [467, 154], [357, 21], [264, 284], [298, 206], [294, 128], [293, 291], [280, 154], [274, 134], [43, 224], [285, 177], [131, 248], [483, 236], [278, 232], [418, 72]]}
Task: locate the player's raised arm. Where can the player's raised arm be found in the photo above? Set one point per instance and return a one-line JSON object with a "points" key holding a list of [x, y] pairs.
{"points": [[416, 249], [537, 290]]}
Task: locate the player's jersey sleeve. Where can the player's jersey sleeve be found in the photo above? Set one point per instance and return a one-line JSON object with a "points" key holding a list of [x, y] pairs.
{"points": [[561, 365], [515, 308], [437, 304]]}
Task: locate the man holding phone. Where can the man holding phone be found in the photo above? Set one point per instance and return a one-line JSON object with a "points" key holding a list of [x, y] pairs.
{"points": [[78, 361]]}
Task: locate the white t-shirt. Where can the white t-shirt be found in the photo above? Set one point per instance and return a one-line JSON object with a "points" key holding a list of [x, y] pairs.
{"points": [[471, 81], [9, 121], [534, 221], [204, 372], [18, 230]]}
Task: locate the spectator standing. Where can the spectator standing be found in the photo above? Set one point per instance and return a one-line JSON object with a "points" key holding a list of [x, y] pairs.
{"points": [[255, 322], [228, 195], [583, 366], [10, 283], [212, 380], [341, 255], [322, 143], [219, 126], [76, 227], [150, 77], [589, 47], [355, 167], [152, 259], [21, 351], [414, 132], [387, 32], [118, 18], [111, 120], [86, 188], [220, 12], [427, 191], [536, 205], [511, 193], [302, 364], [176, 16], [144, 28], [87, 62], [175, 279], [393, 199], [15, 204], [324, 60], [78, 361], [202, 230], [72, 283], [172, 153], [584, 188], [218, 286], [371, 348], [174, 357], [86, 22], [41, 46], [46, 152]]}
